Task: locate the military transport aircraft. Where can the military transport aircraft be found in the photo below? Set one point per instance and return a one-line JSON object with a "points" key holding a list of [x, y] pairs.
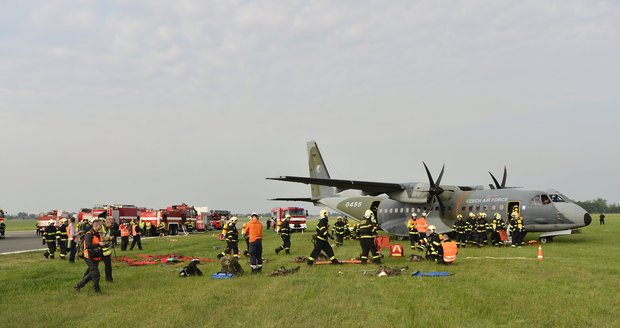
{"points": [[543, 210]]}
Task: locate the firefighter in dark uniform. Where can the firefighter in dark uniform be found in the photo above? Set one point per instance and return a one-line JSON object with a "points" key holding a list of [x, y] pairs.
{"points": [[232, 239], [107, 235], [367, 232], [62, 238], [432, 243], [161, 228], [247, 238], [136, 231], [414, 235], [481, 229], [321, 243], [285, 233], [497, 224], [460, 228], [471, 228], [339, 228], [347, 228], [92, 255], [49, 238]]}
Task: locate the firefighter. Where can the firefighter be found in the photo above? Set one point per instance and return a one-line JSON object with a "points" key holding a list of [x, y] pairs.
{"points": [[339, 231], [135, 233], [347, 228], [49, 238], [232, 239], [367, 232], [448, 250], [161, 228], [124, 227], [421, 225], [254, 229], [285, 234], [62, 238], [2, 229], [496, 226], [460, 228], [92, 255], [149, 227], [481, 229], [471, 228], [321, 243], [107, 236], [414, 235], [518, 230], [432, 243], [190, 226]]}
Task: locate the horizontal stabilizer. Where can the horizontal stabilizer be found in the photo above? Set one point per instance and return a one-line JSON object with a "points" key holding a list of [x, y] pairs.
{"points": [[370, 188], [292, 199]]}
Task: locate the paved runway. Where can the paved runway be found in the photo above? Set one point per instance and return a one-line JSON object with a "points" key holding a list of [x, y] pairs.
{"points": [[17, 241]]}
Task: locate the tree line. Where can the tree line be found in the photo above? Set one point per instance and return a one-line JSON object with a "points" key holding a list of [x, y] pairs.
{"points": [[599, 205]]}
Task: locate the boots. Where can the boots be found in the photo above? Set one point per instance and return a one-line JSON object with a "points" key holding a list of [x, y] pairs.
{"points": [[310, 262], [279, 249], [287, 251], [335, 261], [220, 255]]}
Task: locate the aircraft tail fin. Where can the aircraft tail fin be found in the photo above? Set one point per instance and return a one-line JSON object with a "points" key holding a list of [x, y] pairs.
{"points": [[318, 169]]}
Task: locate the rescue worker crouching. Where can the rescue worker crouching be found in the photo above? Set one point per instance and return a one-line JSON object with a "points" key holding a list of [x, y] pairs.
{"points": [[448, 250], [367, 232], [92, 255], [432, 243], [321, 243], [285, 233], [49, 239], [232, 239]]}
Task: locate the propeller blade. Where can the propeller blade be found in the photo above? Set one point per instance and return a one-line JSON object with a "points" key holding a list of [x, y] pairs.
{"points": [[497, 185], [504, 178], [440, 175], [430, 177]]}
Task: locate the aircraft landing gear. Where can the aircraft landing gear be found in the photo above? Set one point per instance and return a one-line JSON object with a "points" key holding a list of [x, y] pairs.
{"points": [[544, 240]]}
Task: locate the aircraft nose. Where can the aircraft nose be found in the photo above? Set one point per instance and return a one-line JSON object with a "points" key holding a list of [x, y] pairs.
{"points": [[587, 219]]}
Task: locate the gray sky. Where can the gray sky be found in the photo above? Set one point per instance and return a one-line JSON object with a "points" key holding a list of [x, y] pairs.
{"points": [[158, 102]]}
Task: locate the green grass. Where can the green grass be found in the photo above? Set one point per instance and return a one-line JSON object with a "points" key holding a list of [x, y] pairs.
{"points": [[20, 225], [575, 286]]}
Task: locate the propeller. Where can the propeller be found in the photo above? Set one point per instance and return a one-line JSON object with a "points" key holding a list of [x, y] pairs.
{"points": [[435, 190], [497, 184]]}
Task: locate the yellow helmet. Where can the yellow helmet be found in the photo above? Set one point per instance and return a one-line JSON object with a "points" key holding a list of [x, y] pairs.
{"points": [[63, 220], [288, 216], [50, 222], [471, 214], [459, 216], [323, 213], [514, 214], [497, 216], [431, 228]]}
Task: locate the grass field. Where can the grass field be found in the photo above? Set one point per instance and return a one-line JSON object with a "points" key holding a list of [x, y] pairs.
{"points": [[19, 225], [575, 286]]}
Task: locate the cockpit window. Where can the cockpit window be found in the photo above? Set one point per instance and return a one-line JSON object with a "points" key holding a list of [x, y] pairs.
{"points": [[536, 200], [557, 198], [545, 199]]}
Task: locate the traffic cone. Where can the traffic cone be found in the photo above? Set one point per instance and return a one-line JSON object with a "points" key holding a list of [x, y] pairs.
{"points": [[540, 254]]}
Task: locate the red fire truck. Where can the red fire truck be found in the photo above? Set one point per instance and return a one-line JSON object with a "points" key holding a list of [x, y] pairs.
{"points": [[173, 217], [120, 213], [298, 216], [218, 218], [56, 215]]}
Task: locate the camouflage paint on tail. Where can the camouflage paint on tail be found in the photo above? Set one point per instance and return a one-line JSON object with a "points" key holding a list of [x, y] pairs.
{"points": [[318, 169]]}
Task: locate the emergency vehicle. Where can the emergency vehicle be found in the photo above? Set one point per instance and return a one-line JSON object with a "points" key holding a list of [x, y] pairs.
{"points": [[218, 218], [173, 217], [120, 213], [298, 217], [56, 215], [203, 221]]}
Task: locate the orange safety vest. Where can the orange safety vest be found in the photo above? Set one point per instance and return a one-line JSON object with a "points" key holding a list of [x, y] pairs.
{"points": [[450, 249], [254, 229], [133, 230], [420, 225], [69, 235], [96, 241], [124, 231]]}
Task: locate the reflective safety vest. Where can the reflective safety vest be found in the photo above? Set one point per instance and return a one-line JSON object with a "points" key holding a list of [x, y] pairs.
{"points": [[124, 231], [134, 231], [96, 240], [450, 250], [411, 225], [420, 225]]}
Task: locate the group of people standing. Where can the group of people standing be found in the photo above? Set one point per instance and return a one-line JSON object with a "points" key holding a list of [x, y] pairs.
{"points": [[477, 229]]}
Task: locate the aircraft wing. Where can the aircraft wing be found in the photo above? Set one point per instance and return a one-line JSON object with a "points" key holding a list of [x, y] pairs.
{"points": [[370, 188]]}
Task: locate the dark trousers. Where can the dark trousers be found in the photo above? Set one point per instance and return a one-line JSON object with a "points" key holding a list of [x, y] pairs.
{"points": [[482, 238], [107, 261], [92, 273], [414, 238], [232, 247], [321, 245], [51, 249], [286, 243], [496, 239], [124, 243], [269, 225], [63, 249], [256, 255], [461, 238], [368, 245], [517, 237], [339, 238], [72, 250], [136, 240]]}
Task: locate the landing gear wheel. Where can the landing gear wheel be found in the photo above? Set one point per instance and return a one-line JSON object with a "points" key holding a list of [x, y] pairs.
{"points": [[400, 238], [544, 240]]}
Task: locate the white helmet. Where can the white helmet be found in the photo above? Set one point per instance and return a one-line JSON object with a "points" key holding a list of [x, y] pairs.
{"points": [[233, 219], [414, 214], [50, 222], [431, 228], [323, 213], [288, 216], [424, 214], [497, 216], [368, 214]]}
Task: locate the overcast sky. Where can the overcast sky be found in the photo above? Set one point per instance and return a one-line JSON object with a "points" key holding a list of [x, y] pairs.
{"points": [[160, 102]]}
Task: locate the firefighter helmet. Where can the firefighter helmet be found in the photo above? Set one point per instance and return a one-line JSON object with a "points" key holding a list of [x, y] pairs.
{"points": [[368, 214], [50, 222], [233, 219], [424, 214], [287, 217], [431, 228], [471, 214], [414, 214], [339, 218], [63, 220], [323, 214], [514, 214], [254, 214], [497, 216], [459, 216]]}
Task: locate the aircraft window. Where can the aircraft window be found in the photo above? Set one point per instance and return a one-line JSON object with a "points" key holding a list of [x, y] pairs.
{"points": [[471, 208], [477, 208], [390, 210], [486, 207], [536, 200], [557, 198], [402, 210], [407, 210], [545, 199], [493, 207], [501, 207], [463, 208]]}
